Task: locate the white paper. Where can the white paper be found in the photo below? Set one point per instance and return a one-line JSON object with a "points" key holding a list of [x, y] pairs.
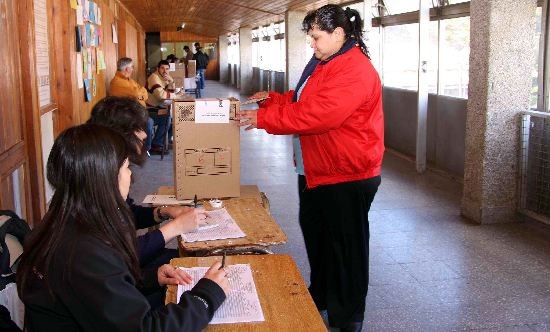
{"points": [[227, 228], [242, 303], [212, 111], [165, 200], [189, 83], [115, 36], [172, 66], [79, 16], [251, 101], [79, 80]]}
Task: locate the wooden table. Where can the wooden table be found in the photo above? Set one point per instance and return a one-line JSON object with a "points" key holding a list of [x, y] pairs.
{"points": [[285, 300], [250, 213]]}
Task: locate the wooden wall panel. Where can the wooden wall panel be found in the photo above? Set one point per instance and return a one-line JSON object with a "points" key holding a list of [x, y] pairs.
{"points": [[11, 121], [110, 49], [140, 73], [131, 42], [181, 36]]}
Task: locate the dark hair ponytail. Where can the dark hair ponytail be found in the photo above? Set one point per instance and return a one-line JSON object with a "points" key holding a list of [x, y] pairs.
{"points": [[356, 23], [330, 17]]}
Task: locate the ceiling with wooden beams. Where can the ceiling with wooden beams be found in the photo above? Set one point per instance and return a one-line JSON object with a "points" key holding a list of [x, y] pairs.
{"points": [[213, 17]]}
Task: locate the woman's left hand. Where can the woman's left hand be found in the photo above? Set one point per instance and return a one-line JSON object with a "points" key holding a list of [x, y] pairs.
{"points": [[250, 119], [169, 275]]}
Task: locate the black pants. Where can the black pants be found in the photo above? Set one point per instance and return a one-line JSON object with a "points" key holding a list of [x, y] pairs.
{"points": [[335, 225]]}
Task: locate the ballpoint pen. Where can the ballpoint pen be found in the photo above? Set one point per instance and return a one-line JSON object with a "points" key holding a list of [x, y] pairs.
{"points": [[223, 259], [195, 201]]}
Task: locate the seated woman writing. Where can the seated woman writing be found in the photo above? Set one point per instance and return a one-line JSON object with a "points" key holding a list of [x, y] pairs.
{"points": [[79, 270], [128, 117]]}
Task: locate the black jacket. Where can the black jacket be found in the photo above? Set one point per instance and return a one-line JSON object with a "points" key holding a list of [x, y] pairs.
{"points": [[93, 290], [151, 244], [202, 59]]}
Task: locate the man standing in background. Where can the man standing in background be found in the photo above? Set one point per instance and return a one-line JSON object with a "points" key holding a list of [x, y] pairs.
{"points": [[202, 62]]}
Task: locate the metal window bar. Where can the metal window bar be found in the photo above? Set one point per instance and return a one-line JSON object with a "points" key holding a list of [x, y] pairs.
{"points": [[534, 197]]}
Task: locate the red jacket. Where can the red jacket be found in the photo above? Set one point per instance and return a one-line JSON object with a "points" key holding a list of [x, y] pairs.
{"points": [[338, 117]]}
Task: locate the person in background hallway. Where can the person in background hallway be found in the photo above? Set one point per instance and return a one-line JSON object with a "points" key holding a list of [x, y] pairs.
{"points": [[160, 86], [202, 63], [79, 269], [188, 55], [127, 117], [172, 58], [336, 110]]}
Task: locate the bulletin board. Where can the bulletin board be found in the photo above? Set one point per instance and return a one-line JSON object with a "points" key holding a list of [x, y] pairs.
{"points": [[90, 58]]}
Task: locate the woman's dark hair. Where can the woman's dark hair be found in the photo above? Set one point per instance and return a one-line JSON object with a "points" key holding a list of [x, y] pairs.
{"points": [[126, 116], [330, 17], [83, 168]]}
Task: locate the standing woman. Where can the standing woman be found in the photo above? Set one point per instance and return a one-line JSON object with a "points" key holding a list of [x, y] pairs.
{"points": [[79, 269], [336, 111]]}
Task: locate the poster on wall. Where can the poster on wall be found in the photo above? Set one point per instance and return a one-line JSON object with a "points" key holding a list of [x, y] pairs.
{"points": [[79, 77], [79, 16], [87, 90], [115, 36], [89, 38]]}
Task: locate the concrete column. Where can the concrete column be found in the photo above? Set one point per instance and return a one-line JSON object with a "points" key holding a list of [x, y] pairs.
{"points": [[295, 40], [224, 56], [501, 60], [245, 50]]}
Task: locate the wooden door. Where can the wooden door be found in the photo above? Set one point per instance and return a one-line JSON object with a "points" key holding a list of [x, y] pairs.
{"points": [[13, 161]]}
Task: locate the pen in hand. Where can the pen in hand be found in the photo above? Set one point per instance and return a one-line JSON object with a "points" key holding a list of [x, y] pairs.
{"points": [[195, 201], [223, 260]]}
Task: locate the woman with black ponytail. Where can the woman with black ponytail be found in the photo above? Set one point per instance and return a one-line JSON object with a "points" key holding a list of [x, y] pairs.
{"points": [[335, 114]]}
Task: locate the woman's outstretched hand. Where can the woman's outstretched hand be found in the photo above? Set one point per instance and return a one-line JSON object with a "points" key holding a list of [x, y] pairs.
{"points": [[248, 118]]}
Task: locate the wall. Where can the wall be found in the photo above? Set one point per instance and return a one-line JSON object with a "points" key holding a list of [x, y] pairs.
{"points": [[446, 127], [72, 107]]}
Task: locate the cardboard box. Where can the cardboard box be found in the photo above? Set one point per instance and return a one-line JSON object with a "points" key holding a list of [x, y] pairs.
{"points": [[178, 75], [192, 68], [206, 148]]}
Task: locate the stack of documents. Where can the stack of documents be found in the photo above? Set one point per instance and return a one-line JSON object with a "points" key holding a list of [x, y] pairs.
{"points": [[219, 225], [242, 303]]}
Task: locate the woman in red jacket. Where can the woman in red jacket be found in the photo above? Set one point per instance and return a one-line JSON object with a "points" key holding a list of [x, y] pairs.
{"points": [[336, 111]]}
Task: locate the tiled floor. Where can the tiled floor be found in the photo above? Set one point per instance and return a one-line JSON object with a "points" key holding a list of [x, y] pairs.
{"points": [[430, 269]]}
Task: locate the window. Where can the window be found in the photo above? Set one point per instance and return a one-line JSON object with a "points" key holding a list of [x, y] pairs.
{"points": [[433, 56], [255, 45], [271, 47], [401, 6], [535, 72], [454, 58], [401, 56]]}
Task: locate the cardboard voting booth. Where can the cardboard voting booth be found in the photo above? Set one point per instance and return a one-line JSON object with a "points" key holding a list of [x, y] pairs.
{"points": [[206, 148], [192, 68]]}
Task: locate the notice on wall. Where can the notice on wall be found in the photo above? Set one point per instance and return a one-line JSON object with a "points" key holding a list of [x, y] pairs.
{"points": [[42, 52]]}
